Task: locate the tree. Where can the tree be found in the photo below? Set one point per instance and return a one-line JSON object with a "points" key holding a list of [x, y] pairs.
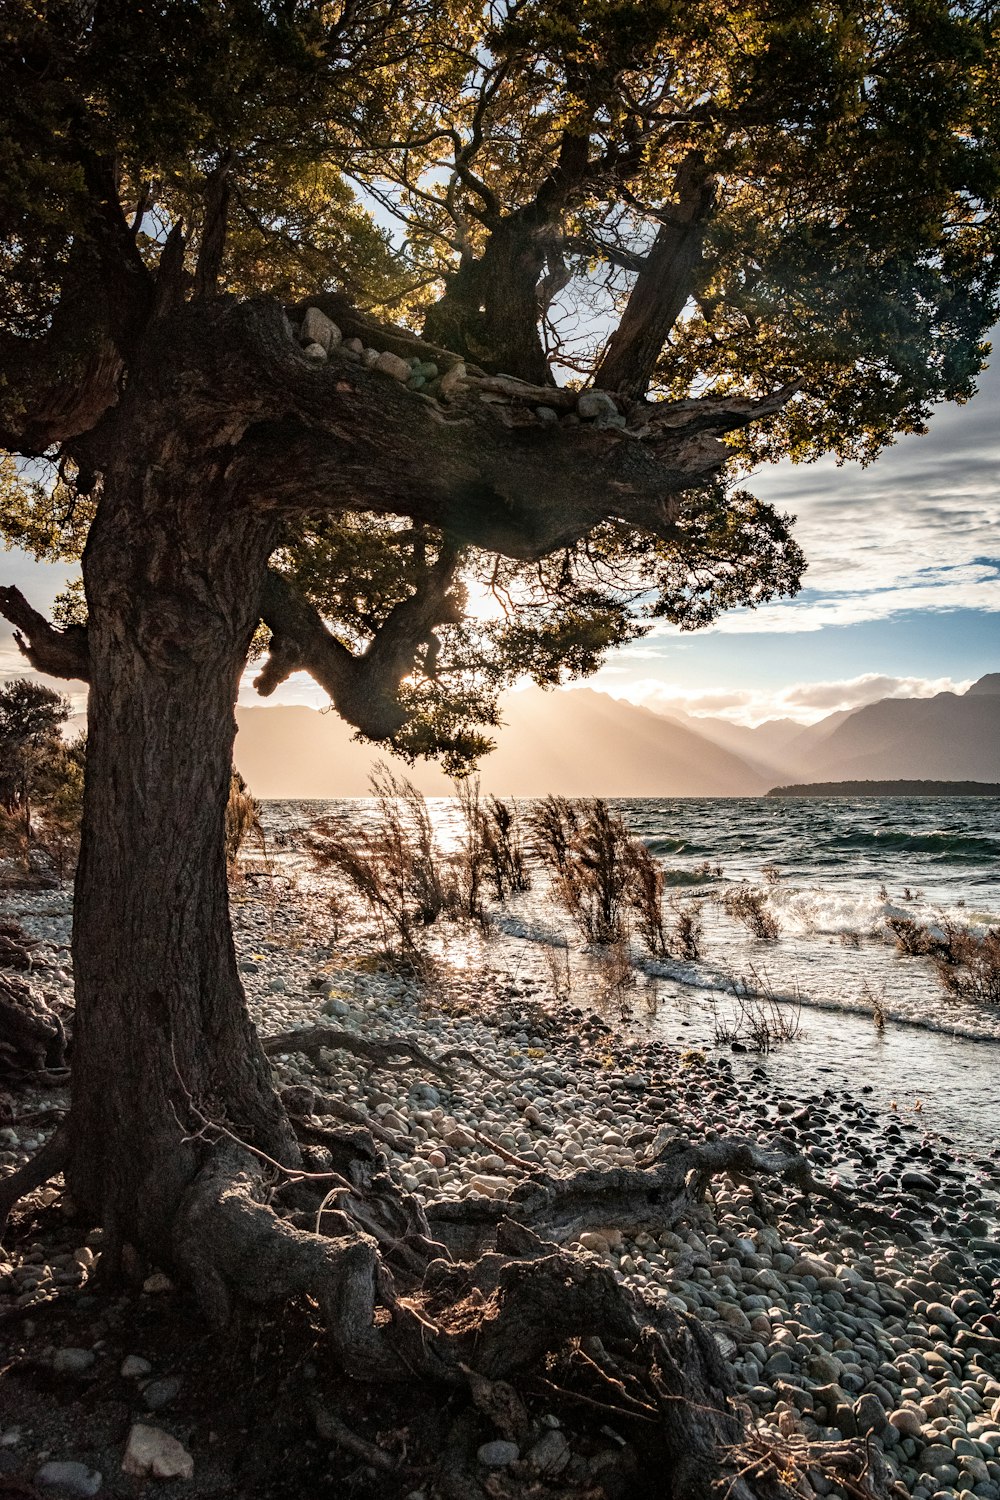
{"points": [[747, 234], [30, 719]]}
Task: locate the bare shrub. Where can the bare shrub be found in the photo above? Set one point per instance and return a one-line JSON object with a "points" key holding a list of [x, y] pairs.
{"points": [[468, 862], [686, 934], [771, 873], [911, 937], [645, 895], [850, 938], [969, 965], [242, 820], [876, 999], [392, 863], [747, 904], [615, 977], [609, 881], [498, 842], [552, 823], [557, 961], [760, 1021], [603, 853], [587, 848]]}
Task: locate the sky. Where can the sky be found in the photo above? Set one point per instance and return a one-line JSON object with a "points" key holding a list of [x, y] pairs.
{"points": [[901, 596]]}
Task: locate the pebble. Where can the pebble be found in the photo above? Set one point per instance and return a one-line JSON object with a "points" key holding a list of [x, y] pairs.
{"points": [[550, 1454], [498, 1454], [73, 1361], [151, 1451], [388, 363], [594, 404], [134, 1367], [68, 1478], [157, 1394], [317, 328], [158, 1283], [453, 381]]}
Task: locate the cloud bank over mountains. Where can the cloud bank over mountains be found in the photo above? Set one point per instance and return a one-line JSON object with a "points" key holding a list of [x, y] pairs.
{"points": [[805, 702], [583, 743]]}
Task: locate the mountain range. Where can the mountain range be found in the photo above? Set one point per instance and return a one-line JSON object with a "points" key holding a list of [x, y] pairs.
{"points": [[582, 743]]}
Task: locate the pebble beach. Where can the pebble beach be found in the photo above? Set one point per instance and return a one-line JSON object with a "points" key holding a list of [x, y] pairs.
{"points": [[832, 1327]]}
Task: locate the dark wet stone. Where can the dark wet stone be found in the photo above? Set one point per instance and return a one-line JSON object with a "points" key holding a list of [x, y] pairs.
{"points": [[917, 1182]]}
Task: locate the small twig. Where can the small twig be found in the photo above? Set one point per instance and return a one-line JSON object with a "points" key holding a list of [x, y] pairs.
{"points": [[293, 1174], [618, 1411], [333, 1193], [508, 1156], [332, 1430]]}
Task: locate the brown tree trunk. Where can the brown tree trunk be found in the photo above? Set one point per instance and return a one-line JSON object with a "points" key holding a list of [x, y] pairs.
{"points": [[174, 571], [662, 288], [489, 311]]}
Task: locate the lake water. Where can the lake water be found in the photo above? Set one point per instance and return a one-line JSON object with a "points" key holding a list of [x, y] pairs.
{"points": [[832, 874]]}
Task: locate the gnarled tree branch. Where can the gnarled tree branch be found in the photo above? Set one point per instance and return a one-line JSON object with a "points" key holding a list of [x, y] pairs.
{"points": [[57, 653], [341, 437], [364, 688]]}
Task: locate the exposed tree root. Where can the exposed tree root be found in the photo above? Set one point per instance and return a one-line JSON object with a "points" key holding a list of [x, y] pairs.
{"points": [[479, 1298], [15, 947], [397, 1307], [32, 1037], [391, 1054], [394, 1054], [300, 1100], [630, 1198], [46, 1163], [332, 1430]]}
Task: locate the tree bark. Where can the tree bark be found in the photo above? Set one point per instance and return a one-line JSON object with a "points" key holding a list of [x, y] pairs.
{"points": [[174, 570], [489, 310], [662, 288]]}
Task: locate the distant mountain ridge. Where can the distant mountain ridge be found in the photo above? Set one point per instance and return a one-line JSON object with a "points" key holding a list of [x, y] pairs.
{"points": [[584, 743], [580, 743], [950, 737]]}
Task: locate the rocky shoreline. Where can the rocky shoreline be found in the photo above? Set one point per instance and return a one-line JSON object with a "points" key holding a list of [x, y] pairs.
{"points": [[833, 1326]]}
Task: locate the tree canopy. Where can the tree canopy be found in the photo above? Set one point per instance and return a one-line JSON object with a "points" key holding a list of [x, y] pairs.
{"points": [[775, 223]]}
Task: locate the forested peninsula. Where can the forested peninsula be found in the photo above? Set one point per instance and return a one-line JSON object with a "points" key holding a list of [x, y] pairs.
{"points": [[888, 789]]}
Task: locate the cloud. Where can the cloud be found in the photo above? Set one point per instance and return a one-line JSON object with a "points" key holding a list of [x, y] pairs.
{"points": [[916, 530], [970, 586], [806, 702]]}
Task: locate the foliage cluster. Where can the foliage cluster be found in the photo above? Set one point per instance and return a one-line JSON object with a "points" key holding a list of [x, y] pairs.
{"points": [[41, 777]]}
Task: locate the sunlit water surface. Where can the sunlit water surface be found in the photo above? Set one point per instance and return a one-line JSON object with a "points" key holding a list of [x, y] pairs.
{"points": [[833, 872]]}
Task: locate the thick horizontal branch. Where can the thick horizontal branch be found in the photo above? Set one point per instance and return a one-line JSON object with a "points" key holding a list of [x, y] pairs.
{"points": [[57, 653], [485, 468]]}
